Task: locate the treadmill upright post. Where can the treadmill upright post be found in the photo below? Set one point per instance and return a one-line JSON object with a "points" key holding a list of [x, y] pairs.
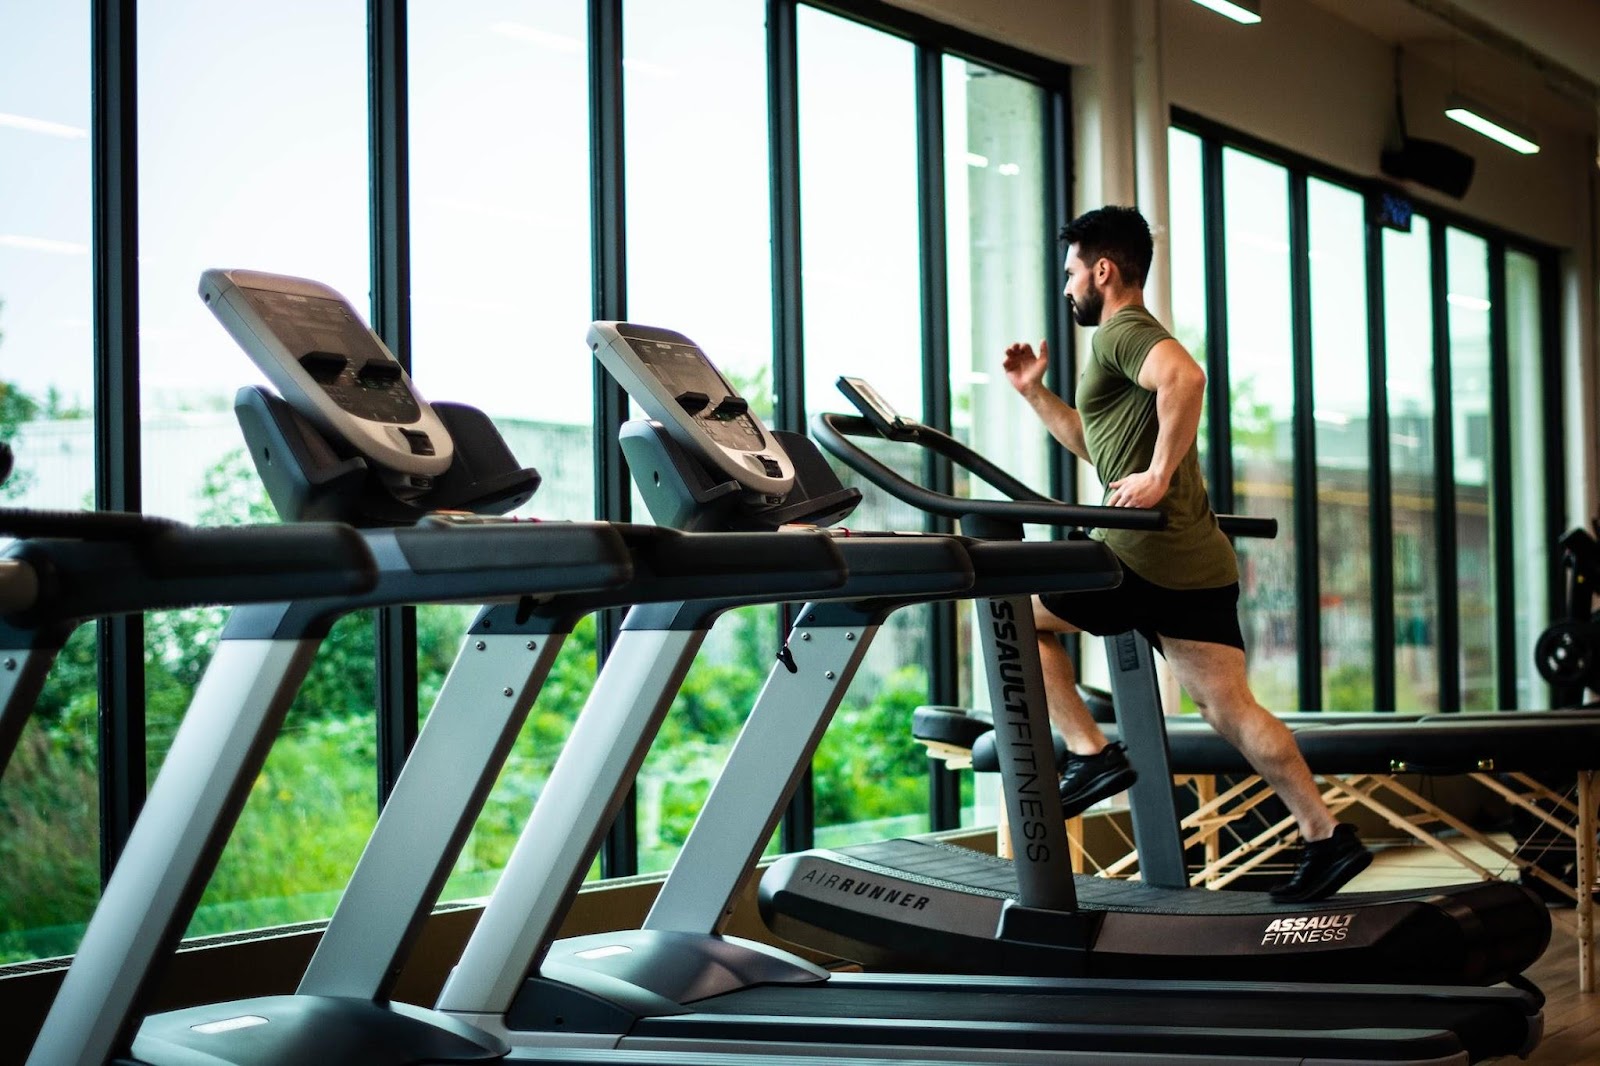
{"points": [[1027, 754], [585, 789], [241, 699], [480, 710], [25, 663], [1138, 709], [790, 715]]}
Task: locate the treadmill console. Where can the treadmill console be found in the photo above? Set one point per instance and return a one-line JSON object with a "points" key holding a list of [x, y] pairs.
{"points": [[671, 378], [870, 402], [314, 347]]}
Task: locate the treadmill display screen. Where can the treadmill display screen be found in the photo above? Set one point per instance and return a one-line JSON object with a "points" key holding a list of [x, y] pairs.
{"points": [[701, 392], [321, 333]]}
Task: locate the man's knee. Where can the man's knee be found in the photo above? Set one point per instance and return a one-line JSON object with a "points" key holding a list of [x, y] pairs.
{"points": [[1047, 621]]}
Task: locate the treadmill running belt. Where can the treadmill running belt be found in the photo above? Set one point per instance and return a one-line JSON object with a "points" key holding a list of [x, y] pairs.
{"points": [[947, 866]]}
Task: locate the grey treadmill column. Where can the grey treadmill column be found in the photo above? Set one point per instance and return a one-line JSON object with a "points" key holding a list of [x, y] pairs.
{"points": [[746, 803], [591, 777], [23, 670], [463, 745], [1137, 700], [1043, 862], [246, 689]]}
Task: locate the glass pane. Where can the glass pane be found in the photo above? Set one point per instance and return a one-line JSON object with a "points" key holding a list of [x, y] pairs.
{"points": [[1408, 341], [1531, 548], [1339, 367], [862, 303], [1003, 272], [700, 728], [695, 87], [506, 335], [285, 192], [533, 754], [500, 247], [49, 805], [1261, 387], [1467, 300], [1187, 240], [695, 91]]}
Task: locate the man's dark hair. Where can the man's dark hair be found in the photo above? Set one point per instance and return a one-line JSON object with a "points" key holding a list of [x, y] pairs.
{"points": [[1119, 234]]}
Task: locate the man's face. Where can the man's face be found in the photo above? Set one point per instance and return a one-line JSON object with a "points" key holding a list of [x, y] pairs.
{"points": [[1086, 298]]}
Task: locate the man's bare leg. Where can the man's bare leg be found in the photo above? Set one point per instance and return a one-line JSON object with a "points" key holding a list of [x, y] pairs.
{"points": [[1214, 676], [1068, 713]]}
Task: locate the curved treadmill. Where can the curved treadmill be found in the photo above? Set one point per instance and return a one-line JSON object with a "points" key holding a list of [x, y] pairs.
{"points": [[1476, 933]]}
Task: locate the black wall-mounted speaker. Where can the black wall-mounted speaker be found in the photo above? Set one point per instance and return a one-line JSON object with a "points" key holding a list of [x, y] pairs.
{"points": [[1430, 163]]}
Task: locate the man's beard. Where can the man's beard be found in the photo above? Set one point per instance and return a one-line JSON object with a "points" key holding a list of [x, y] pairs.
{"points": [[1088, 312]]}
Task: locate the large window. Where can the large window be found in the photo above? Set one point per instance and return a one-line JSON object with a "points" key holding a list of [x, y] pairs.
{"points": [[1467, 304], [1427, 580], [1000, 239], [49, 831], [500, 302], [271, 175], [1340, 416], [514, 236], [1530, 532], [698, 210], [1261, 399], [1408, 342], [859, 245]]}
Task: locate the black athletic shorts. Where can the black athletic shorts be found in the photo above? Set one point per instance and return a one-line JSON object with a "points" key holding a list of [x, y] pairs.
{"points": [[1209, 615]]}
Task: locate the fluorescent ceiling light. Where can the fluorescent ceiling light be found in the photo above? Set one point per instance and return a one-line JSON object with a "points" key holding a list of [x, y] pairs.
{"points": [[39, 125], [1467, 303], [1480, 119], [42, 244], [1245, 11], [557, 42], [976, 160], [1010, 170]]}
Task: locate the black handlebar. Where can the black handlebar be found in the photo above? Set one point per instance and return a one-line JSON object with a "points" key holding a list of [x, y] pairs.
{"points": [[85, 569], [834, 430], [1025, 504]]}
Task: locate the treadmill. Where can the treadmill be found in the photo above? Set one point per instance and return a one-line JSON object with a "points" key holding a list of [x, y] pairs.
{"points": [[1478, 933], [351, 437], [678, 985]]}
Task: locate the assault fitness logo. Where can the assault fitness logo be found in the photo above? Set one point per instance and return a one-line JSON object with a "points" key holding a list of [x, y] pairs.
{"points": [[1308, 929]]}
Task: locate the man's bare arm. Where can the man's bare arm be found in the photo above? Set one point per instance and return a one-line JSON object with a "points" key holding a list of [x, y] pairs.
{"points": [[1026, 371], [1179, 383]]}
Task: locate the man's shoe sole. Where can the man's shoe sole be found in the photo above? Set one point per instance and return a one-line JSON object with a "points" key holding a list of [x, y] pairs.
{"points": [[1107, 784], [1339, 874]]}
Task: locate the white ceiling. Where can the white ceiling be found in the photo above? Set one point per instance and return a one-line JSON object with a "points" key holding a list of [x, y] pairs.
{"points": [[1550, 43]]}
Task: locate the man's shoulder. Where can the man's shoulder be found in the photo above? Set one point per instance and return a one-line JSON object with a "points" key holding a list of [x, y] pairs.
{"points": [[1126, 337], [1135, 318]]}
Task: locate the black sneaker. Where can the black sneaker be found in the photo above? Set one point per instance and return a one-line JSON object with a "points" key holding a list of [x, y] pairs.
{"points": [[1088, 779], [1325, 867]]}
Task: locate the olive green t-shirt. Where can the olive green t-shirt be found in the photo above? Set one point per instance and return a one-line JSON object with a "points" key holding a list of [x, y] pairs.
{"points": [[1120, 428]]}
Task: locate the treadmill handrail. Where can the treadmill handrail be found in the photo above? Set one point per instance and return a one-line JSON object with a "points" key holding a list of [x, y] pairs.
{"points": [[1025, 504], [834, 430], [163, 565]]}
